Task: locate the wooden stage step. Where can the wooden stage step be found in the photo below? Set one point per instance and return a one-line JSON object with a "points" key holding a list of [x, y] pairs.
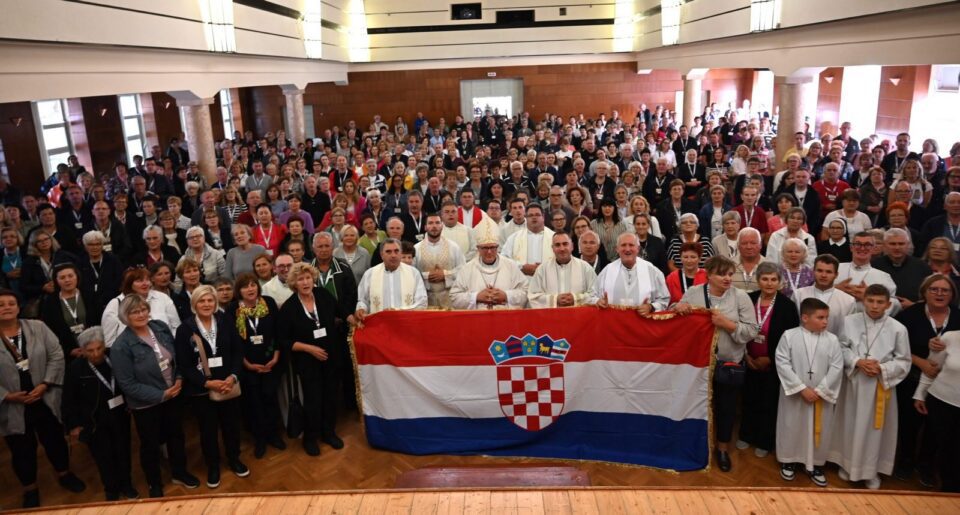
{"points": [[719, 501], [493, 476]]}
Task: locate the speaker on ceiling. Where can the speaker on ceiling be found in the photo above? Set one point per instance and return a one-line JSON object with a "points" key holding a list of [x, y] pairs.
{"points": [[466, 11]]}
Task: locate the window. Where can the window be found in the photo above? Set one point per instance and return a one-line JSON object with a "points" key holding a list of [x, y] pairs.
{"points": [[764, 15], [670, 21], [226, 109], [53, 132], [3, 164], [311, 28], [132, 120], [218, 26]]}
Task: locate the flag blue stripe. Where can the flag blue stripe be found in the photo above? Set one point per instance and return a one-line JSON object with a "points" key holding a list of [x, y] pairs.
{"points": [[614, 437]]}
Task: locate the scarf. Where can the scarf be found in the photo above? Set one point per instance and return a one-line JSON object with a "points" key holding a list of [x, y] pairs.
{"points": [[244, 312]]}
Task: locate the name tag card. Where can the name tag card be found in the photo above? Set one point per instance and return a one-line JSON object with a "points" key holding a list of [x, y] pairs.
{"points": [[319, 333], [256, 339], [115, 402], [23, 365], [164, 364], [215, 362], [76, 329]]}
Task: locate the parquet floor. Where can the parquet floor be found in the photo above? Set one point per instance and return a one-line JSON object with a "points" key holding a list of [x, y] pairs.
{"points": [[359, 467]]}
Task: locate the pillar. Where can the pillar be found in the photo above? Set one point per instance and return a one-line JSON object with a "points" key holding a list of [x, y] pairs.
{"points": [[693, 94], [293, 113], [199, 133], [794, 105]]}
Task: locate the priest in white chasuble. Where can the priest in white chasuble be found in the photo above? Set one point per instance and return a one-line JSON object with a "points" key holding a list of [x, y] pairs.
{"points": [[810, 365], [876, 357], [631, 281], [530, 246], [438, 260], [390, 285], [489, 281], [561, 280]]}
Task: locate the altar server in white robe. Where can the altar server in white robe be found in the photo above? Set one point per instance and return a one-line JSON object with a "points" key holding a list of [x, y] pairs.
{"points": [[531, 245], [810, 365], [876, 357], [562, 280], [438, 260], [855, 276], [631, 281], [489, 281], [841, 304], [390, 285], [456, 232]]}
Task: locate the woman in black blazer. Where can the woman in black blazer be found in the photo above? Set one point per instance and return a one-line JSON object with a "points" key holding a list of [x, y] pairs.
{"points": [[224, 353], [43, 253], [68, 311], [761, 391], [307, 332], [256, 322]]}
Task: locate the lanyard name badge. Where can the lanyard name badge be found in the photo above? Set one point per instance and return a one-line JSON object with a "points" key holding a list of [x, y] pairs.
{"points": [[22, 363], [116, 400], [163, 362], [318, 332], [761, 338], [211, 337], [954, 234], [77, 326], [255, 339]]}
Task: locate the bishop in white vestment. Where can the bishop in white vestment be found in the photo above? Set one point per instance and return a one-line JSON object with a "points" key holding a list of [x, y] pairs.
{"points": [[489, 281], [865, 430], [561, 280]]}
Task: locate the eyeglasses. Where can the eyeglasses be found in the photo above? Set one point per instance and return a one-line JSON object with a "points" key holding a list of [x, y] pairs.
{"points": [[862, 245], [939, 291]]}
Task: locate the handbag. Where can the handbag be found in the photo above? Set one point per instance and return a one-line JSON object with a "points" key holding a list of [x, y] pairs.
{"points": [[728, 373], [294, 409], [215, 396]]}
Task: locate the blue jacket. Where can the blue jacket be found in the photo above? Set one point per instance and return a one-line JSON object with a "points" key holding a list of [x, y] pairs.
{"points": [[136, 367]]}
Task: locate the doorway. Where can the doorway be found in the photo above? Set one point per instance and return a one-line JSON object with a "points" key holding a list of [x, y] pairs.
{"points": [[499, 97]]}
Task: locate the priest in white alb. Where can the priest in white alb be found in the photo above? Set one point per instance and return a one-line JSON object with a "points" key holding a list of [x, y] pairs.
{"points": [[489, 281], [876, 358], [390, 285], [456, 232], [631, 281], [531, 245], [841, 303], [562, 280], [854, 277], [438, 260]]}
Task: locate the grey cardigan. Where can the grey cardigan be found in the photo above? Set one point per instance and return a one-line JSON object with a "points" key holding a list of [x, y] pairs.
{"points": [[136, 367], [735, 304], [46, 366]]}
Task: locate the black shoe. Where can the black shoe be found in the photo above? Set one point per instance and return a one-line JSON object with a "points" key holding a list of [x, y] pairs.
{"points": [[928, 479], [112, 496], [903, 473], [186, 480], [71, 482], [311, 447], [31, 499], [818, 477], [333, 441], [278, 443], [156, 491], [787, 472], [259, 450], [723, 461], [131, 493], [213, 477], [239, 469]]}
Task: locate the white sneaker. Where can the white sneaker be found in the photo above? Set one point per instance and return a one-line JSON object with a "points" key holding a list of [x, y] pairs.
{"points": [[843, 474], [742, 445], [760, 453], [873, 484]]}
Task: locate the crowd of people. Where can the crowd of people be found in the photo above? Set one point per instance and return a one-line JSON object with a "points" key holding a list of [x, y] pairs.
{"points": [[150, 291]]}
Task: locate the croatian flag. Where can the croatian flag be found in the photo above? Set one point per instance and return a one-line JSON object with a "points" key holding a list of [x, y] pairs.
{"points": [[574, 383]]}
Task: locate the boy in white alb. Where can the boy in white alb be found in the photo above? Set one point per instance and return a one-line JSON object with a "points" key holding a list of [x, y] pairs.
{"points": [[810, 365], [876, 357]]}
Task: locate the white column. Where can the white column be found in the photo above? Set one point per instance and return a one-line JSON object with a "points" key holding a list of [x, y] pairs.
{"points": [[794, 99], [293, 112], [693, 94], [199, 131]]}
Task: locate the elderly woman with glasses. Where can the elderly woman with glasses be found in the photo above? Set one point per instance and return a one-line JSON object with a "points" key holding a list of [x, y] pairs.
{"points": [[211, 261], [43, 253], [145, 365], [95, 412]]}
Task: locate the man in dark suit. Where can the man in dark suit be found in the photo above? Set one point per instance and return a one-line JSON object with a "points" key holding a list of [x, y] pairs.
{"points": [[683, 143]]}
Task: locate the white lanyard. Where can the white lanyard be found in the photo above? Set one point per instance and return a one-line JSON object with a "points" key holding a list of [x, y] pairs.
{"points": [[47, 268], [254, 323], [313, 315], [112, 385], [96, 271], [748, 217], [933, 325], [954, 231], [795, 285], [211, 335], [156, 346], [266, 237], [417, 222], [764, 318], [14, 258], [73, 311], [325, 277]]}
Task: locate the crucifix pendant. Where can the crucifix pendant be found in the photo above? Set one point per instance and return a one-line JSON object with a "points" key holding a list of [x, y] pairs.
{"points": [[810, 374]]}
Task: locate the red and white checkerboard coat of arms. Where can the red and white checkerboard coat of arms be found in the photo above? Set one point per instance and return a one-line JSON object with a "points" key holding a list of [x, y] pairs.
{"points": [[530, 383]]}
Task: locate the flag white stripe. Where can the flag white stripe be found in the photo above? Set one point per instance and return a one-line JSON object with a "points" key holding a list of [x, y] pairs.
{"points": [[675, 391]]}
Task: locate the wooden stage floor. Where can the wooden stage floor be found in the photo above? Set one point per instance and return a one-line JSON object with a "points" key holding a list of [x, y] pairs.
{"points": [[580, 501], [358, 467]]}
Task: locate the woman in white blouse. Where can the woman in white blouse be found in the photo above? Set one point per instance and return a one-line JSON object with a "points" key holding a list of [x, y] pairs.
{"points": [[137, 281]]}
